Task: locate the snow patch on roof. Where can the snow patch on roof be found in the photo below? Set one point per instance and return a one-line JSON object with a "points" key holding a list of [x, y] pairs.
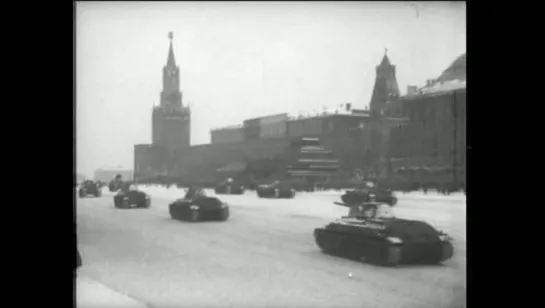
{"points": [[450, 85]]}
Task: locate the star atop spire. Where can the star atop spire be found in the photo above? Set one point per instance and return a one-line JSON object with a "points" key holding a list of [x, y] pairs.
{"points": [[171, 60], [385, 60]]}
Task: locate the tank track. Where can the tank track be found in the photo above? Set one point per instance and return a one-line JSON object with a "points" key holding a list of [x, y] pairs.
{"points": [[264, 195], [379, 251], [122, 204]]}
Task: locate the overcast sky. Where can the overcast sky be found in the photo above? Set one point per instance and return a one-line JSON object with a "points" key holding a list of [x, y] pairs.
{"points": [[244, 59]]}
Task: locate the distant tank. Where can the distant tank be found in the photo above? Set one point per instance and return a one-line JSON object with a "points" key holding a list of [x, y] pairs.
{"points": [[88, 187], [383, 239], [229, 187], [369, 191], [276, 190], [129, 197]]}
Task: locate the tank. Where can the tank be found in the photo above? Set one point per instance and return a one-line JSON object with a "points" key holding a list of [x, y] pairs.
{"points": [[129, 197], [229, 187], [383, 240], [89, 187], [196, 206], [369, 191], [276, 190]]}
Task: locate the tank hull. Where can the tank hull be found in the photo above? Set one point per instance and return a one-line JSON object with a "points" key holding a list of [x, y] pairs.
{"points": [[89, 192], [379, 251], [275, 193], [189, 211], [132, 200]]}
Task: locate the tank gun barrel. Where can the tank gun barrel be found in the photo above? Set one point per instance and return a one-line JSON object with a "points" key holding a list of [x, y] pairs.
{"points": [[342, 204]]}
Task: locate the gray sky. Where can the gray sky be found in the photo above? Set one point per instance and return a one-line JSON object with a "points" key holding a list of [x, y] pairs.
{"points": [[244, 59]]}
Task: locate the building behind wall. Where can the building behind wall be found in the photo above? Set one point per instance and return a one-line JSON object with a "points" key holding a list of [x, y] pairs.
{"points": [[358, 137], [435, 135], [149, 162]]}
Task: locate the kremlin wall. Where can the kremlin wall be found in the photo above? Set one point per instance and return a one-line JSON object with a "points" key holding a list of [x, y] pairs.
{"points": [[425, 129]]}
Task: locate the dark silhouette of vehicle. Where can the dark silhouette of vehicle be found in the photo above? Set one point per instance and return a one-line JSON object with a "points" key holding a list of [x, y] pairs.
{"points": [[130, 197], [89, 187], [100, 184], [116, 183], [229, 187], [371, 233], [367, 191], [196, 206], [276, 190]]}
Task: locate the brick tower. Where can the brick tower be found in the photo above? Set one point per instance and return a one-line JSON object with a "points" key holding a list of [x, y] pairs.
{"points": [[386, 89]]}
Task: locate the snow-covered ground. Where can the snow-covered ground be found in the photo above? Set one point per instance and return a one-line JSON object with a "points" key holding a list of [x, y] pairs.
{"points": [[92, 294]]}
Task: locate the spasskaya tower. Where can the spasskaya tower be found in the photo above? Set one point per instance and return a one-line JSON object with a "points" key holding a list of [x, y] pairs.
{"points": [[171, 120]]}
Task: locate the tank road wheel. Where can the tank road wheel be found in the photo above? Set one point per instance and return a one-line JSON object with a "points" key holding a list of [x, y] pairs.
{"points": [[392, 255], [319, 241], [194, 215], [447, 251], [330, 246], [346, 248], [224, 214]]}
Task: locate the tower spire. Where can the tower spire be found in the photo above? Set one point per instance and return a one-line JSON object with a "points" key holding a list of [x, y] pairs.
{"points": [[385, 60], [171, 60]]}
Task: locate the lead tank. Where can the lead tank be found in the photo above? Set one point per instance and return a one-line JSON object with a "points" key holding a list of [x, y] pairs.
{"points": [[384, 240]]}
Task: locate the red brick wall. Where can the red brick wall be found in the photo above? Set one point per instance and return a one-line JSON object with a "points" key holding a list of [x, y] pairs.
{"points": [[148, 160]]}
